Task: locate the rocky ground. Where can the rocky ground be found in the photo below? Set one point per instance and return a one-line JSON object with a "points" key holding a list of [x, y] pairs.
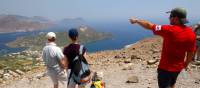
{"points": [[131, 67]]}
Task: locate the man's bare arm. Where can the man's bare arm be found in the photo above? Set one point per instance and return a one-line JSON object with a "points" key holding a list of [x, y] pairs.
{"points": [[145, 24], [188, 58], [64, 62]]}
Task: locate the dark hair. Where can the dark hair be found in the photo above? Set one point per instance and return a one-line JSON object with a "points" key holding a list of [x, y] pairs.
{"points": [[52, 39], [73, 33]]}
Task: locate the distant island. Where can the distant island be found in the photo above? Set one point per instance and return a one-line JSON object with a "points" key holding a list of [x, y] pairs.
{"points": [[17, 23], [36, 42]]}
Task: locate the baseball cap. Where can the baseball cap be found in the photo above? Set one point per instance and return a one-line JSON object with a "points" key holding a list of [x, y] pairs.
{"points": [[180, 13], [50, 35], [73, 32]]}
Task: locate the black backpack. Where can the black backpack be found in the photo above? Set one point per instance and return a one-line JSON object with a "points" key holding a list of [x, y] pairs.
{"points": [[80, 71]]}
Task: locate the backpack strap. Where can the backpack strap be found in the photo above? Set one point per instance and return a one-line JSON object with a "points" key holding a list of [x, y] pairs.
{"points": [[81, 50], [76, 58]]}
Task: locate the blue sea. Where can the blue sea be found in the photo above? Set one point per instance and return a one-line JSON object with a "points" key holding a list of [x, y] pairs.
{"points": [[123, 33]]}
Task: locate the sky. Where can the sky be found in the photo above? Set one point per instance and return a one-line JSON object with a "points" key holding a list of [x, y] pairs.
{"points": [[98, 9]]}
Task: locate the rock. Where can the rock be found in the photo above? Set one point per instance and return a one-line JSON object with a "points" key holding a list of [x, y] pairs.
{"points": [[128, 68], [117, 56], [40, 75], [197, 81], [27, 68], [132, 79], [1, 72], [153, 61], [193, 66], [39, 59], [1, 80], [134, 57], [127, 61], [196, 63], [29, 58], [13, 73], [155, 51], [35, 54], [20, 72], [7, 76]]}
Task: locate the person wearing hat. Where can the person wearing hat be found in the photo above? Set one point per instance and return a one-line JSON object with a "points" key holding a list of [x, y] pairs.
{"points": [[71, 51], [178, 43], [54, 60]]}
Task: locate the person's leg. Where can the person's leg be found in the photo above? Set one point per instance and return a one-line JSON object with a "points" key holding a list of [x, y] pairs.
{"points": [[71, 85], [62, 78], [163, 79], [55, 86], [198, 53], [53, 77], [174, 76]]}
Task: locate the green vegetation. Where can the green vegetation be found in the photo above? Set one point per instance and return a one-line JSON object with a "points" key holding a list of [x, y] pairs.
{"points": [[15, 63], [36, 42]]}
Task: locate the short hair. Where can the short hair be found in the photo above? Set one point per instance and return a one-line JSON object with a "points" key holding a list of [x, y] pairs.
{"points": [[73, 33]]}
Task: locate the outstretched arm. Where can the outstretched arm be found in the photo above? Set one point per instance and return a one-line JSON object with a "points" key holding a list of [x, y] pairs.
{"points": [[145, 24]]}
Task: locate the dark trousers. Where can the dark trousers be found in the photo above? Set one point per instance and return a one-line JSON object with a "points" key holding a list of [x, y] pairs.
{"points": [[166, 79]]}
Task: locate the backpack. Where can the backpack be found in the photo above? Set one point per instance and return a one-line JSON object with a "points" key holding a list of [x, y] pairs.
{"points": [[97, 81], [97, 84], [80, 71]]}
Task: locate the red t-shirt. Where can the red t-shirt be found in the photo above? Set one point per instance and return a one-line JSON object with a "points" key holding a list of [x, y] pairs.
{"points": [[177, 40]]}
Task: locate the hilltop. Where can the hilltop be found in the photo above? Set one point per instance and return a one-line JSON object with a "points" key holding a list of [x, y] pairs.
{"points": [[17, 23], [131, 67], [37, 42]]}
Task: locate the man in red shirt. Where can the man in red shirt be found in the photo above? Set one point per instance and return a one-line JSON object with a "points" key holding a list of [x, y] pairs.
{"points": [[178, 45]]}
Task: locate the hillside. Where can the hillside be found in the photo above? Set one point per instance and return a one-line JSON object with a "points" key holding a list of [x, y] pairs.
{"points": [[16, 23], [132, 67], [36, 42]]}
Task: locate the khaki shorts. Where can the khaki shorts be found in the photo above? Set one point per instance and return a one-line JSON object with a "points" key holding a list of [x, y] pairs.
{"points": [[55, 76]]}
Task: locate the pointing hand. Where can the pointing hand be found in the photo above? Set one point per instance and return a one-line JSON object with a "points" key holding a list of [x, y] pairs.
{"points": [[133, 20]]}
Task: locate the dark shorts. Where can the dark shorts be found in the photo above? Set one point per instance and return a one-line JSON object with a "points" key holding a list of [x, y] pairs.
{"points": [[166, 79]]}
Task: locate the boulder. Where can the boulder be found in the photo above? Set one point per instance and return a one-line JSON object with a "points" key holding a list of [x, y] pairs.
{"points": [[132, 79]]}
